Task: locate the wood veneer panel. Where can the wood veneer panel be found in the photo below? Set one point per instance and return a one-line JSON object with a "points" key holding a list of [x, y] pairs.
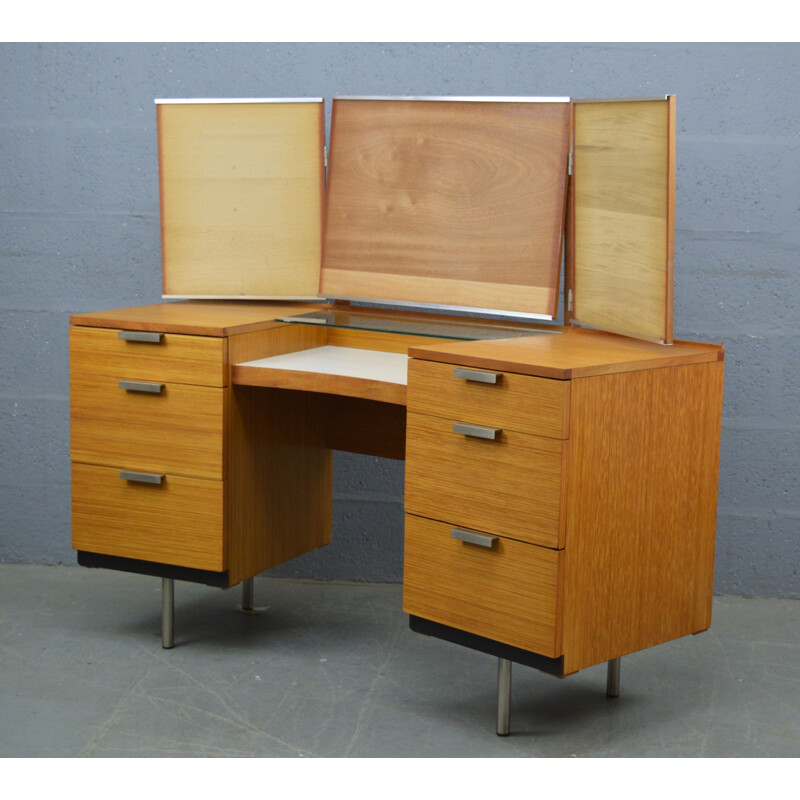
{"points": [[622, 214], [178, 522], [512, 486], [641, 510], [175, 358], [279, 467], [509, 593], [242, 187], [178, 431], [200, 317], [571, 354], [518, 402], [447, 202]]}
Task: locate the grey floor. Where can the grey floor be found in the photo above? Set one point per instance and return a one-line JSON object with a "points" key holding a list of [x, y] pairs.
{"points": [[332, 670]]}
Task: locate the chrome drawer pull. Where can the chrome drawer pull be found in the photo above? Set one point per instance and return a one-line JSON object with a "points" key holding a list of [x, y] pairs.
{"points": [[141, 477], [478, 375], [140, 336], [477, 431], [141, 386], [473, 537]]}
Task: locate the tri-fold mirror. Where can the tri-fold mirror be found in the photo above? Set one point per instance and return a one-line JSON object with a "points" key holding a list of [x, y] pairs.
{"points": [[440, 203]]}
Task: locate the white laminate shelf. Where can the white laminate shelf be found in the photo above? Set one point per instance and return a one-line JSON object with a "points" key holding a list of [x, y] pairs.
{"points": [[372, 374]]}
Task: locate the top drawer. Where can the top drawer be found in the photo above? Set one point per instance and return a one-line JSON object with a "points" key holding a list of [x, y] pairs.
{"points": [[515, 402], [170, 357]]}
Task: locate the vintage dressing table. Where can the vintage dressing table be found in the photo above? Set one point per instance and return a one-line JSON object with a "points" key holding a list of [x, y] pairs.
{"points": [[560, 480]]}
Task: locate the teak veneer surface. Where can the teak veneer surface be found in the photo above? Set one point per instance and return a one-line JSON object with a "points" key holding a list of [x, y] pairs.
{"points": [[511, 486], [572, 354], [518, 402], [509, 592], [176, 358], [178, 522], [641, 510], [447, 202], [198, 317]]}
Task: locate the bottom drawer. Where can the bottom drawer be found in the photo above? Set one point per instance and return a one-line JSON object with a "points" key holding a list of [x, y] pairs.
{"points": [[178, 521], [508, 592]]}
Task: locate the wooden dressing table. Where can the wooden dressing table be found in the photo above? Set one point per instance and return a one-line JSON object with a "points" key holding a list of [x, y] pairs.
{"points": [[560, 488]]}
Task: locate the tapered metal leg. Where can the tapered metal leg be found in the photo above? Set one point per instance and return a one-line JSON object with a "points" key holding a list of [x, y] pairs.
{"points": [[612, 681], [167, 613], [503, 696], [247, 595]]}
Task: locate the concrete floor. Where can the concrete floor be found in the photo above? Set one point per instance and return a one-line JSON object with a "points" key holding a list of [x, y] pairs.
{"points": [[332, 670]]}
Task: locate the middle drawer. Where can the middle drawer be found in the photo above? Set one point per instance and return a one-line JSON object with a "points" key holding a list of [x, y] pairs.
{"points": [[510, 485], [177, 429]]}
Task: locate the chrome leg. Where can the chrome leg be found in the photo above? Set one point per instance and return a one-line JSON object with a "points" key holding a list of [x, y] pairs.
{"points": [[247, 595], [612, 680], [167, 613], [503, 696]]}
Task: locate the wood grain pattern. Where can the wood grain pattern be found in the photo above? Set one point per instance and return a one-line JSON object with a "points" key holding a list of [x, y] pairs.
{"points": [[279, 467], [198, 317], [242, 188], [178, 431], [641, 510], [280, 480], [516, 402], [575, 353], [509, 593], [176, 359], [178, 522], [443, 202], [356, 425], [512, 487], [623, 216]]}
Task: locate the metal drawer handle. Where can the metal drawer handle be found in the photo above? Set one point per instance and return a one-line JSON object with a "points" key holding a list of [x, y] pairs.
{"points": [[473, 537], [477, 375], [477, 431], [141, 386], [141, 477], [140, 336]]}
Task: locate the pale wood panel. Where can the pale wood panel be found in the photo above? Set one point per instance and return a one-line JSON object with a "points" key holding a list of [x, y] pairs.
{"points": [[176, 358], [279, 467], [377, 340], [242, 189], [623, 217], [641, 510], [199, 317], [451, 203], [178, 431], [517, 402], [509, 593], [178, 522], [571, 354], [512, 486]]}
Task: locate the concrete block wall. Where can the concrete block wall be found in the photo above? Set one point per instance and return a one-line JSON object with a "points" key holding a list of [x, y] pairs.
{"points": [[79, 231]]}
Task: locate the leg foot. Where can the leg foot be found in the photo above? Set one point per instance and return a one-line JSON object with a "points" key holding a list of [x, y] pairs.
{"points": [[503, 696], [167, 613], [248, 603], [612, 681]]}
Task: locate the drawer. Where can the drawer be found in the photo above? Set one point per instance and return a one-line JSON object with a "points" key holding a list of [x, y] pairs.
{"points": [[516, 402], [508, 592], [179, 521], [171, 357], [176, 430], [511, 485]]}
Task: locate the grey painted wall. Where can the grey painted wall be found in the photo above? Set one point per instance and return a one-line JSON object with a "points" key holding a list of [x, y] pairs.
{"points": [[79, 231]]}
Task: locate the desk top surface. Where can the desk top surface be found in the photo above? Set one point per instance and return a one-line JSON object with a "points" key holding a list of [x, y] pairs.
{"points": [[570, 353]]}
